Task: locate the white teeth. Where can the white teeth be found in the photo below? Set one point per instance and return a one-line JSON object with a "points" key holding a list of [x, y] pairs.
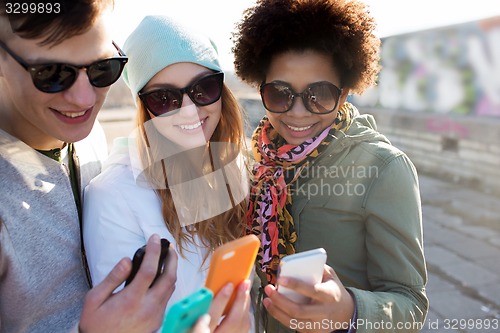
{"points": [[72, 114], [193, 126], [299, 129]]}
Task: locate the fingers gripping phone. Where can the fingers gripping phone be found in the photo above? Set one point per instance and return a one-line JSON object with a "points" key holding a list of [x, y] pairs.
{"points": [[183, 315], [306, 266], [139, 256], [232, 263]]}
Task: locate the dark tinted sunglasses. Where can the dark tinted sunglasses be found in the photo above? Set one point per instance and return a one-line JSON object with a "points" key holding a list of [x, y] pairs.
{"points": [[319, 97], [202, 92], [56, 77]]}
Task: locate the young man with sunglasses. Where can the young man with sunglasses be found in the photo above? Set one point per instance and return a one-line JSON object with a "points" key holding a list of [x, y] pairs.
{"points": [[56, 67]]}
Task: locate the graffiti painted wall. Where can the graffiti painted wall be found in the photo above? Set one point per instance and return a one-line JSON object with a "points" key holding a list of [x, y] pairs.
{"points": [[453, 70]]}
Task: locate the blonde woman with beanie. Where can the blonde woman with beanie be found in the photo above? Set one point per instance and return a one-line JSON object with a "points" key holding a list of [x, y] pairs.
{"points": [[181, 174]]}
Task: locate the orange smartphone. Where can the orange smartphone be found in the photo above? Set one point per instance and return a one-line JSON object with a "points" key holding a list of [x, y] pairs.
{"points": [[232, 262]]}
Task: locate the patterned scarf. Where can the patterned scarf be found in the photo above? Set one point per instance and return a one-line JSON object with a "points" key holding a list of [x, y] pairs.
{"points": [[277, 166]]}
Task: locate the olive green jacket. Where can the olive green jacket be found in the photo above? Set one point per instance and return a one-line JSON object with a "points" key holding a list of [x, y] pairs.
{"points": [[360, 201]]}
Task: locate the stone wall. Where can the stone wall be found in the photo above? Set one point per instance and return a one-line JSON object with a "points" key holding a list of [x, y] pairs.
{"points": [[458, 148]]}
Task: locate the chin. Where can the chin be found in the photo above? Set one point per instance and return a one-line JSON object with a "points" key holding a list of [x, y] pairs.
{"points": [[190, 144], [76, 136]]}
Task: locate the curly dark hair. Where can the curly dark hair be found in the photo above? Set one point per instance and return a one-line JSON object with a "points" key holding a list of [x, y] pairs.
{"points": [[341, 29]]}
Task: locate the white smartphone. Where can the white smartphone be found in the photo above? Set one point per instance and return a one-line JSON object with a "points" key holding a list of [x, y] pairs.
{"points": [[306, 266]]}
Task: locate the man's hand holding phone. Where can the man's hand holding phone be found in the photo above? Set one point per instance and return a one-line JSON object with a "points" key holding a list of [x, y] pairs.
{"points": [[136, 308], [139, 256]]}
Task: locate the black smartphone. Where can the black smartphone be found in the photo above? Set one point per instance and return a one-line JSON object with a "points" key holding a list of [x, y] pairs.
{"points": [[139, 256]]}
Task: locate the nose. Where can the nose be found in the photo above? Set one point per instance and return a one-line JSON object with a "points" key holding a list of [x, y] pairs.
{"points": [[188, 108], [298, 108], [81, 94]]}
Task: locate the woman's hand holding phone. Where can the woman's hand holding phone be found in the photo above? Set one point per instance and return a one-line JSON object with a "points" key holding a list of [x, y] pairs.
{"points": [[329, 300], [238, 317], [230, 268], [202, 325]]}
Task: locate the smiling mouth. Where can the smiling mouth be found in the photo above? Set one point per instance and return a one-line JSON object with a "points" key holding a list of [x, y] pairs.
{"points": [[72, 114], [192, 126], [299, 129]]}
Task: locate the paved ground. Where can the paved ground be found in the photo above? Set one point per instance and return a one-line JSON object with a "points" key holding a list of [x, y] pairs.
{"points": [[462, 246]]}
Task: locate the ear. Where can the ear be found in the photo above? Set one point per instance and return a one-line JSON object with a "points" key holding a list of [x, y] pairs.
{"points": [[344, 95]]}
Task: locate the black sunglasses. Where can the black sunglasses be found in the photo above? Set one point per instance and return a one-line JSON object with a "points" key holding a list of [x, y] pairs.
{"points": [[319, 97], [56, 77], [202, 92]]}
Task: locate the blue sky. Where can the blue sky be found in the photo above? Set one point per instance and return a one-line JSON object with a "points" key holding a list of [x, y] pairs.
{"points": [[218, 17]]}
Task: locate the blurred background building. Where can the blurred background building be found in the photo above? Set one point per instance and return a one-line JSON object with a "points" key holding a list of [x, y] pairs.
{"points": [[438, 99]]}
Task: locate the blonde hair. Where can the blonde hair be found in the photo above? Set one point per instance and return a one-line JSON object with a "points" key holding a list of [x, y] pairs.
{"points": [[216, 230]]}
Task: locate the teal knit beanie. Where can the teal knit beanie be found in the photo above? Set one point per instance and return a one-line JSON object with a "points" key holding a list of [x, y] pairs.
{"points": [[160, 41]]}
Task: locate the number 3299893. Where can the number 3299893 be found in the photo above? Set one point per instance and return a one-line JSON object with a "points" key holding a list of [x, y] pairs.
{"points": [[32, 7]]}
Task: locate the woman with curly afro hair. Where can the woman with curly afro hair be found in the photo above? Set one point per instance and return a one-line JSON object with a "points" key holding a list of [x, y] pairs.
{"points": [[324, 177]]}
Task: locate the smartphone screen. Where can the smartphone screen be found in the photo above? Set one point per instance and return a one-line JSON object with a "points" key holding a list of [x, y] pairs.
{"points": [[139, 256]]}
